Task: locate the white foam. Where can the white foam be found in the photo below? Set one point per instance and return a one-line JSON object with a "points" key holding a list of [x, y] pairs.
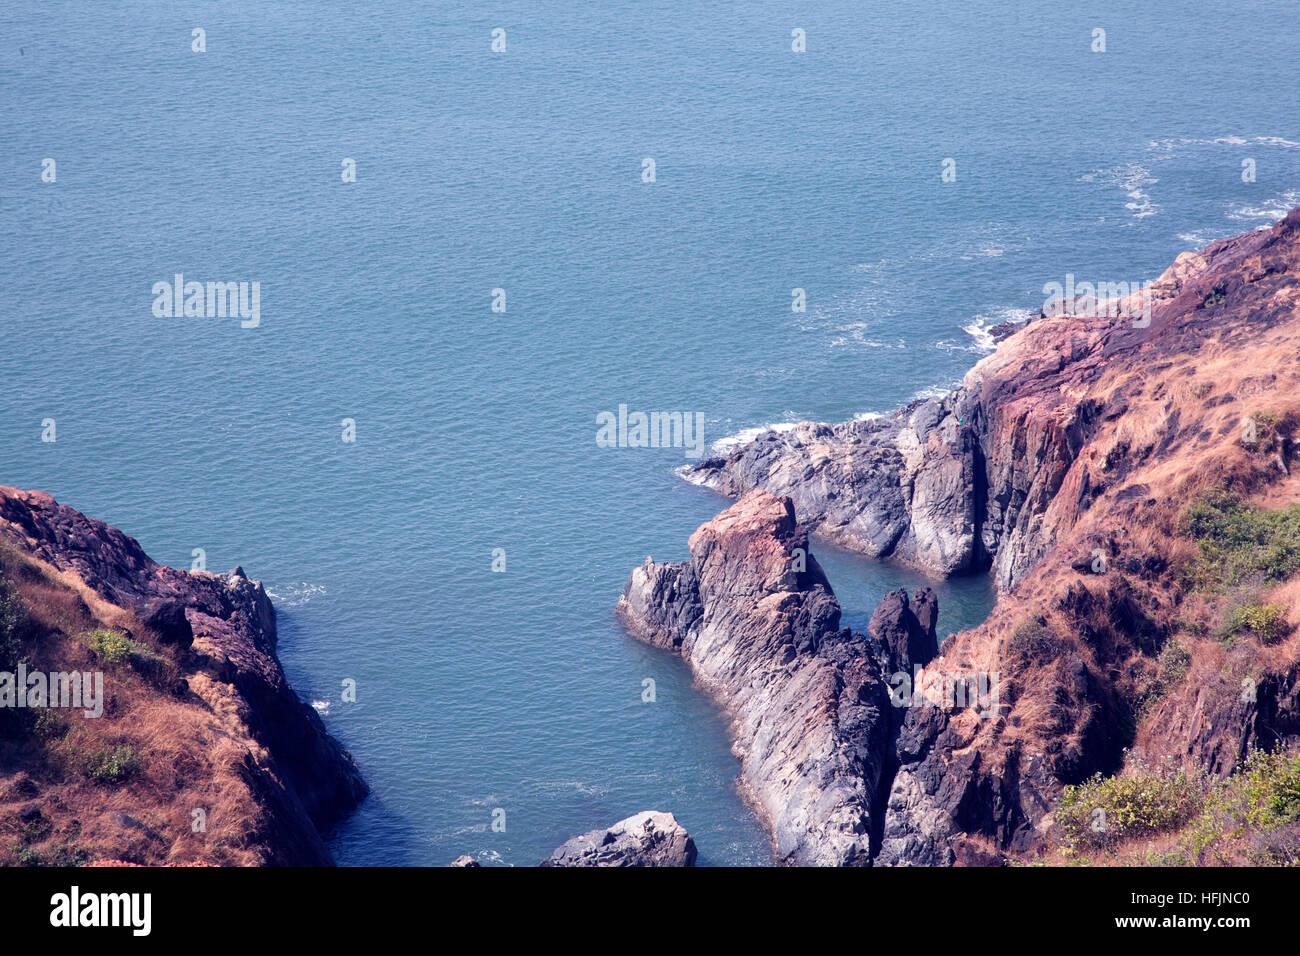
{"points": [[988, 252], [980, 327], [1270, 209], [322, 707], [686, 473], [1169, 145], [747, 435], [294, 595], [1132, 178], [858, 338], [934, 391]]}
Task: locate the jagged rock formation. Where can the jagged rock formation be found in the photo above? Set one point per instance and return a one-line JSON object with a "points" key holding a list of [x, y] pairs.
{"points": [[901, 487], [1064, 464], [756, 620], [1099, 434], [649, 838], [200, 716], [953, 484], [905, 630]]}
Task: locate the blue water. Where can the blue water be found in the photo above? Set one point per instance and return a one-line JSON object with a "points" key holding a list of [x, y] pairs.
{"points": [[475, 430]]}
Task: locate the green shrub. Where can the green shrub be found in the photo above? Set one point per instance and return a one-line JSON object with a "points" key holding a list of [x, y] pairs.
{"points": [[1262, 799], [1250, 817], [1265, 621], [49, 725], [60, 854], [1268, 789], [1267, 426], [1171, 668], [1102, 811], [26, 856], [112, 764], [112, 647], [13, 627], [1241, 544]]}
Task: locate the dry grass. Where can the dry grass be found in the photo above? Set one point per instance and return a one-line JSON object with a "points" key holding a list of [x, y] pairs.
{"points": [[189, 754], [1160, 425]]}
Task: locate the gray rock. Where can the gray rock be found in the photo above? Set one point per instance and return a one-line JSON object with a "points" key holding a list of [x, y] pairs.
{"points": [[906, 629], [650, 838], [756, 620], [905, 487]]}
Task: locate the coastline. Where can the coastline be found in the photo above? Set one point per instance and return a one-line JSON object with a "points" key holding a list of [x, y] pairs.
{"points": [[1028, 466]]}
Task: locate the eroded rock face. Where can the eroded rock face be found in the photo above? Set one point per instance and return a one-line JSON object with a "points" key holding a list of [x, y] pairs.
{"points": [[1214, 718], [905, 629], [903, 487], [946, 485], [1096, 432], [225, 625], [649, 838], [753, 615]]}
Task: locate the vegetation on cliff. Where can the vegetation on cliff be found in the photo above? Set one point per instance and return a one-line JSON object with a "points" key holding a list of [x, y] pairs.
{"points": [[1167, 817], [121, 786], [1240, 544], [186, 744]]}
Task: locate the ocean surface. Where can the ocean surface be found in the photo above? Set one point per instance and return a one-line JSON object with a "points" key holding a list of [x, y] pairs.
{"points": [[514, 695]]}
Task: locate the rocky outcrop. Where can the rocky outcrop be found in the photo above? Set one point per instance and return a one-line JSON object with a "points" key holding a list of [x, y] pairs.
{"points": [[904, 487], [213, 636], [752, 614], [1064, 463], [649, 838], [1096, 435], [905, 630], [1214, 717]]}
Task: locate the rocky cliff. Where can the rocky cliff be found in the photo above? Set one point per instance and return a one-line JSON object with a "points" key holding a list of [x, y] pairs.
{"points": [[202, 753], [753, 615], [1075, 463], [902, 487]]}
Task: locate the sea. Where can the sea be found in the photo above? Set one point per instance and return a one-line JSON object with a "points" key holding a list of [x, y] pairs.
{"points": [[474, 228]]}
